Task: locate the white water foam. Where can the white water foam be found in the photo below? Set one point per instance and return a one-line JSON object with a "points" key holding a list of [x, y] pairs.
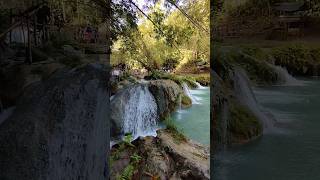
{"points": [[140, 117], [187, 92], [285, 78]]}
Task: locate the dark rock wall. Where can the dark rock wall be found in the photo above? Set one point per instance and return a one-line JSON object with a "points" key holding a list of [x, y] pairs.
{"points": [[59, 129]]}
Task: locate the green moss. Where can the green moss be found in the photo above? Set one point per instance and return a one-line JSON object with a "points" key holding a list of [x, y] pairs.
{"points": [[173, 130], [203, 79], [185, 101], [258, 69], [297, 58], [190, 81], [243, 124]]}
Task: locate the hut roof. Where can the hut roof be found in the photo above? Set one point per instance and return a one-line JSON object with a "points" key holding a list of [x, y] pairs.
{"points": [[289, 6]]}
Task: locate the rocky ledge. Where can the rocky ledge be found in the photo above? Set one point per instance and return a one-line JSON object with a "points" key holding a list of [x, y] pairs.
{"points": [[162, 157]]}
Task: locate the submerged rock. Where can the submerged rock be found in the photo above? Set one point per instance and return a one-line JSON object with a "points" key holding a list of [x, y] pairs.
{"points": [[59, 128]]}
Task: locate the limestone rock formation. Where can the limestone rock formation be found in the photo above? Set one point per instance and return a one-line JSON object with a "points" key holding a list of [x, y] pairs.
{"points": [[59, 128], [166, 93], [163, 157]]}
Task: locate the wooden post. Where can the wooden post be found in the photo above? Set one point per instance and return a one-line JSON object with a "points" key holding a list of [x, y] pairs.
{"points": [[28, 51]]}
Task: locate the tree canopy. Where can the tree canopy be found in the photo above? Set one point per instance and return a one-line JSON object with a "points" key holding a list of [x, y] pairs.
{"points": [[165, 36]]}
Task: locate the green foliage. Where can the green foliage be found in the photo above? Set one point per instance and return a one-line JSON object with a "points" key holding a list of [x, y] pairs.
{"points": [[127, 140], [173, 130], [127, 173], [167, 41], [123, 145], [297, 58], [189, 80], [258, 69], [252, 59], [203, 79], [135, 158]]}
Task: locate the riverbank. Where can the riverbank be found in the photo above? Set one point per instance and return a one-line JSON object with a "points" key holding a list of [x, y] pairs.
{"points": [[165, 156]]}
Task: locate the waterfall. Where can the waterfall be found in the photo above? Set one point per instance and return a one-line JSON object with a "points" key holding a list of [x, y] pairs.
{"points": [[284, 77], [246, 97], [140, 112], [188, 93], [200, 86]]}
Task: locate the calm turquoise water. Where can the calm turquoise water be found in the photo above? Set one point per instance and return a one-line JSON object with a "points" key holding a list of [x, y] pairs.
{"points": [[195, 121], [292, 151]]}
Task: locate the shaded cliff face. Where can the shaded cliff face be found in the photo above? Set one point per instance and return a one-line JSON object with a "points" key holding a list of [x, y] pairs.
{"points": [[59, 128]]}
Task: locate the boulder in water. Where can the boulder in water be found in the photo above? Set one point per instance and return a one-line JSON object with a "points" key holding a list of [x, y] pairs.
{"points": [[59, 128], [166, 93]]}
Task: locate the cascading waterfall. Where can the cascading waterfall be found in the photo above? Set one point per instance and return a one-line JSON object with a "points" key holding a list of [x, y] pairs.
{"points": [[189, 94], [245, 95], [284, 77], [140, 114], [200, 86]]}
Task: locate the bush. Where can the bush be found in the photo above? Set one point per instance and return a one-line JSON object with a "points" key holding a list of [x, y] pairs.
{"points": [[298, 59]]}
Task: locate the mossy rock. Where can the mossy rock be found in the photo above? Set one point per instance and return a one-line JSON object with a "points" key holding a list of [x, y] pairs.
{"points": [[259, 71], [204, 79], [298, 59], [186, 102], [243, 125]]}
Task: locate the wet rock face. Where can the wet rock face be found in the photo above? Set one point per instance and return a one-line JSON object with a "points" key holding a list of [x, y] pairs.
{"points": [[59, 128], [166, 93]]}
